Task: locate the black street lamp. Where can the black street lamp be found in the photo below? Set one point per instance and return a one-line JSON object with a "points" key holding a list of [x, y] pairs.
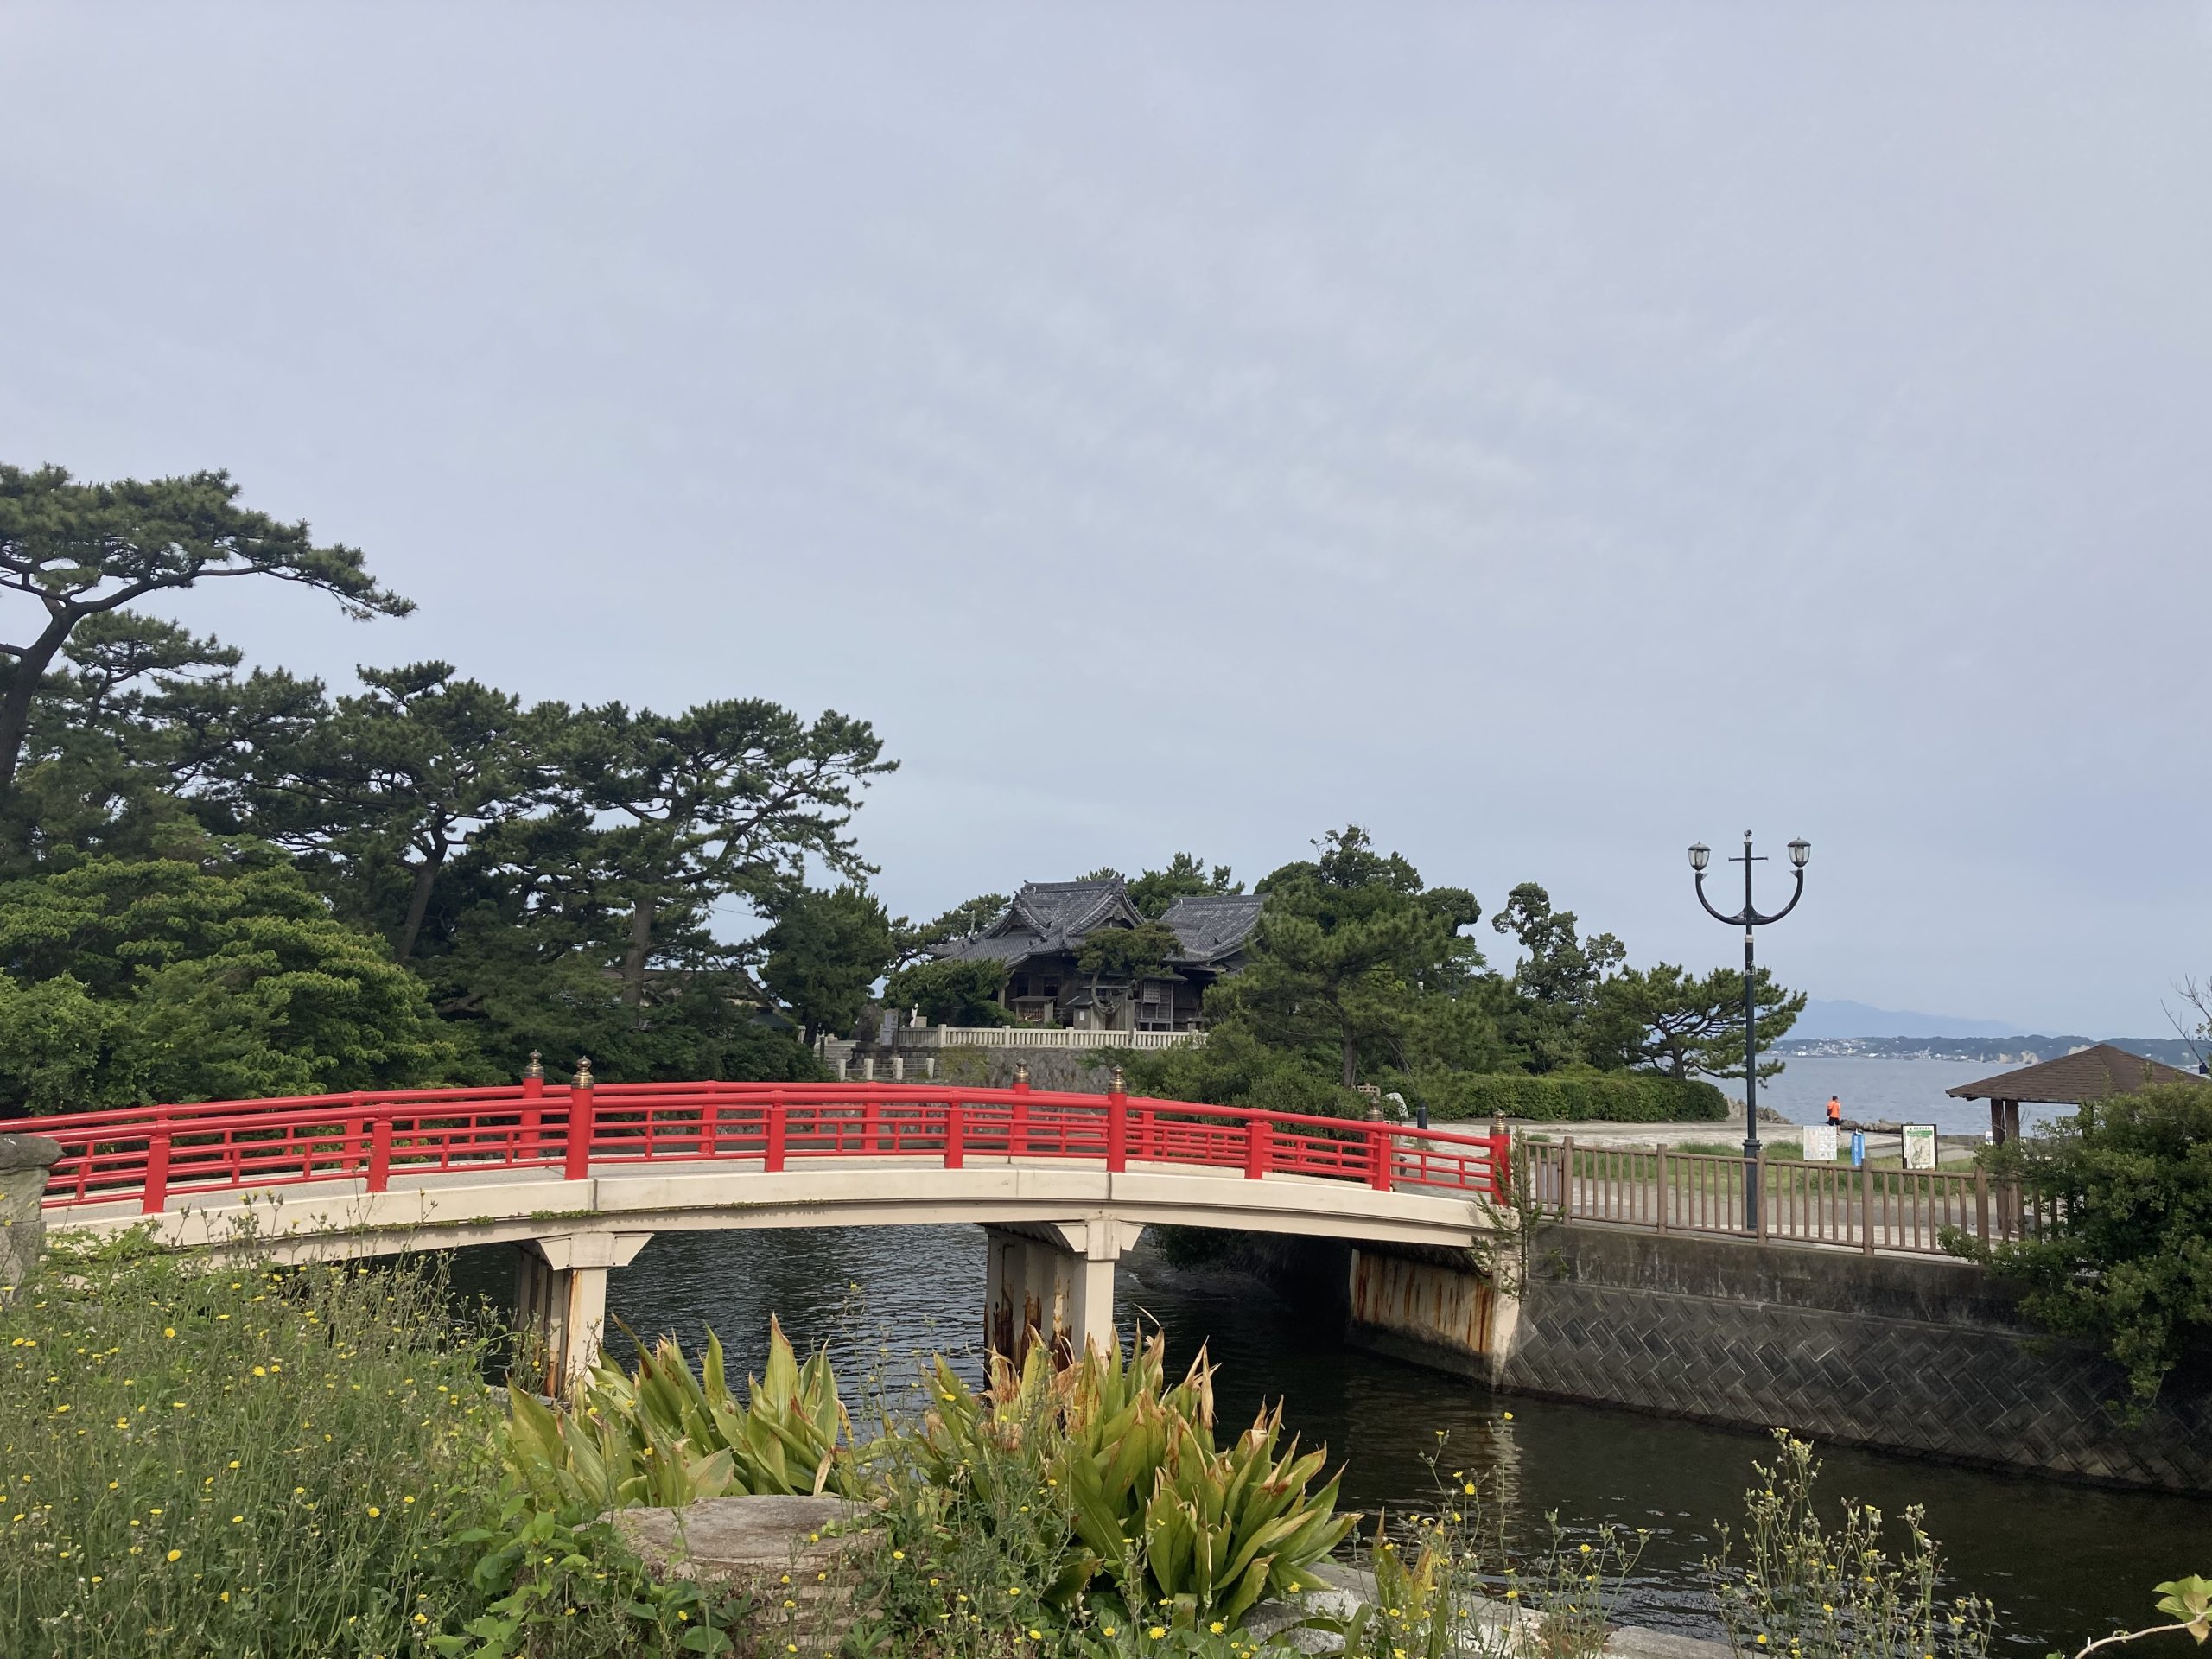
{"points": [[1801, 851]]}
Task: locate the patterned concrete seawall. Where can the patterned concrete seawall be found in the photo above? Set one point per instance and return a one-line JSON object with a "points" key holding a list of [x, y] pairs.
{"points": [[1923, 1356]]}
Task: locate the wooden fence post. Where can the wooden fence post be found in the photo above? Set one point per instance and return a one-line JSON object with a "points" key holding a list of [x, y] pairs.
{"points": [[1758, 1174], [1662, 1184], [1866, 1209]]}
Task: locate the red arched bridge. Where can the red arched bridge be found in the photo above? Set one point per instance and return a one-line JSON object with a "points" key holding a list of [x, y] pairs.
{"points": [[585, 1176]]}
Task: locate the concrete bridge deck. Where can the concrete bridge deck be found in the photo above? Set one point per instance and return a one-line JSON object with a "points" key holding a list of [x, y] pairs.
{"points": [[340, 1218], [583, 1181]]}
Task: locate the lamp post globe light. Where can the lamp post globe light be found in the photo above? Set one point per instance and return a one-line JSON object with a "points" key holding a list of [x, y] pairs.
{"points": [[1801, 853]]}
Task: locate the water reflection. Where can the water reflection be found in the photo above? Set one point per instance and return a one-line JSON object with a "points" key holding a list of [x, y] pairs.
{"points": [[2062, 1563]]}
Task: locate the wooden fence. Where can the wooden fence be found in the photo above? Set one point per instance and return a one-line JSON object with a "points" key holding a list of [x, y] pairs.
{"points": [[1866, 1209]]}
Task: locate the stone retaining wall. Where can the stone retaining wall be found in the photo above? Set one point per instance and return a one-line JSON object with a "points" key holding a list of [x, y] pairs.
{"points": [[1924, 1355]]}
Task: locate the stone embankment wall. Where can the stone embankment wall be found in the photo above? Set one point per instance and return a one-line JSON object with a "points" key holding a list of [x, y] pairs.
{"points": [[1929, 1356], [1070, 1070], [24, 1160]]}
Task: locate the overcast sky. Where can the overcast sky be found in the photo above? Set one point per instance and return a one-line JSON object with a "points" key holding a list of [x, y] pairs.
{"points": [[1546, 435]]}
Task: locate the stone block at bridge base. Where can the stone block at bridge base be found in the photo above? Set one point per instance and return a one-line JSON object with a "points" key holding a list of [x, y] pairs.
{"points": [[798, 1557], [24, 1160]]}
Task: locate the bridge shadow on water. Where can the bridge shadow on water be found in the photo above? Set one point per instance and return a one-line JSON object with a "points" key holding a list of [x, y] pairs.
{"points": [[2062, 1563]]}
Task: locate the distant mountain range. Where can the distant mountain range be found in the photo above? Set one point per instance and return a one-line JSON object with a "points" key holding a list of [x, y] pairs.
{"points": [[1857, 1020]]}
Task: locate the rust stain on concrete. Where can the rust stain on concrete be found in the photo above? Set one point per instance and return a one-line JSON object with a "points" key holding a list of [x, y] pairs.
{"points": [[1446, 1305]]}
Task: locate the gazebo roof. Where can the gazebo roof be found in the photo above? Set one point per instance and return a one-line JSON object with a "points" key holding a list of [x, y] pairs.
{"points": [[2097, 1072]]}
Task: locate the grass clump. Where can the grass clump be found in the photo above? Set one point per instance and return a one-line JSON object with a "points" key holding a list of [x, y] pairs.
{"points": [[252, 1460], [1804, 1590], [262, 1461], [1455, 1581]]}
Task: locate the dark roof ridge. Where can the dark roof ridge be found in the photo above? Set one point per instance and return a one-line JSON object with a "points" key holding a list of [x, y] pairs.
{"points": [[2074, 1079]]}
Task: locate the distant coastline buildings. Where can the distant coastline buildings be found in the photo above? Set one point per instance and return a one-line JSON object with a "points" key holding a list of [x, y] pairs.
{"points": [[1990, 1050]]}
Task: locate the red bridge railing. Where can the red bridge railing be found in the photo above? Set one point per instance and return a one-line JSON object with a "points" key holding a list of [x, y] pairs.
{"points": [[152, 1154]]}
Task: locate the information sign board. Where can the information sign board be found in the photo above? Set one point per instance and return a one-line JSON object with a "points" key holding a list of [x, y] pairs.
{"points": [[1919, 1145]]}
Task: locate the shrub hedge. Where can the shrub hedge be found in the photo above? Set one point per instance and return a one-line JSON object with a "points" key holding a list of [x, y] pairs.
{"points": [[1615, 1096]]}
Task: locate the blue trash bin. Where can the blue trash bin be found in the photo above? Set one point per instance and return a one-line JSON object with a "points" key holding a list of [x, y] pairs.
{"points": [[1858, 1147]]}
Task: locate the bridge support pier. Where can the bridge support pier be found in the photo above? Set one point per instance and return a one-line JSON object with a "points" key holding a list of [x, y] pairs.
{"points": [[1054, 1280], [1440, 1308], [560, 1297]]}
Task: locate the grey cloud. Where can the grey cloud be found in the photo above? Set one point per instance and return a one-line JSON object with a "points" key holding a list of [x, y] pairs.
{"points": [[1546, 433]]}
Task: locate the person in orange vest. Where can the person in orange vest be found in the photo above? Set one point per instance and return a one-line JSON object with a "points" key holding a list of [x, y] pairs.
{"points": [[1835, 1112]]}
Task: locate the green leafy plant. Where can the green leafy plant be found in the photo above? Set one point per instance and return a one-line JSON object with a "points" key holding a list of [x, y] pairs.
{"points": [[1154, 1502], [2187, 1602], [666, 1436], [2127, 1260], [555, 1581]]}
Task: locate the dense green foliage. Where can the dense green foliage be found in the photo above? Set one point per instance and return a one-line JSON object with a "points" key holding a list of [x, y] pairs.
{"points": [[167, 979], [2129, 1260], [1114, 959], [1361, 973], [206, 1459], [948, 993], [824, 954], [1688, 1025], [215, 883], [1580, 1094], [80, 552]]}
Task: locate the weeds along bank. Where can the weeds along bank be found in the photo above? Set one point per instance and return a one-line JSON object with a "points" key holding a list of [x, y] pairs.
{"points": [[308, 1462], [298, 1462]]}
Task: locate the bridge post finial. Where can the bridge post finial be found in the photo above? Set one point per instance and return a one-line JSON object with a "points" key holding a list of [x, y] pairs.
{"points": [[1021, 1074], [1116, 1086], [583, 1071], [536, 1067]]}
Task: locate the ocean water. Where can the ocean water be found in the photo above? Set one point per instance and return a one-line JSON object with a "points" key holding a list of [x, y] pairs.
{"points": [[1901, 1091]]}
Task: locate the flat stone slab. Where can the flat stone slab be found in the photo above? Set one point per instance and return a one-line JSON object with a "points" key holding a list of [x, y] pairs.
{"points": [[751, 1542], [28, 1152]]}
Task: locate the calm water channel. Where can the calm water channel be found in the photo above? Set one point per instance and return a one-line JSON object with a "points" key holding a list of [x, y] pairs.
{"points": [[2062, 1563]]}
